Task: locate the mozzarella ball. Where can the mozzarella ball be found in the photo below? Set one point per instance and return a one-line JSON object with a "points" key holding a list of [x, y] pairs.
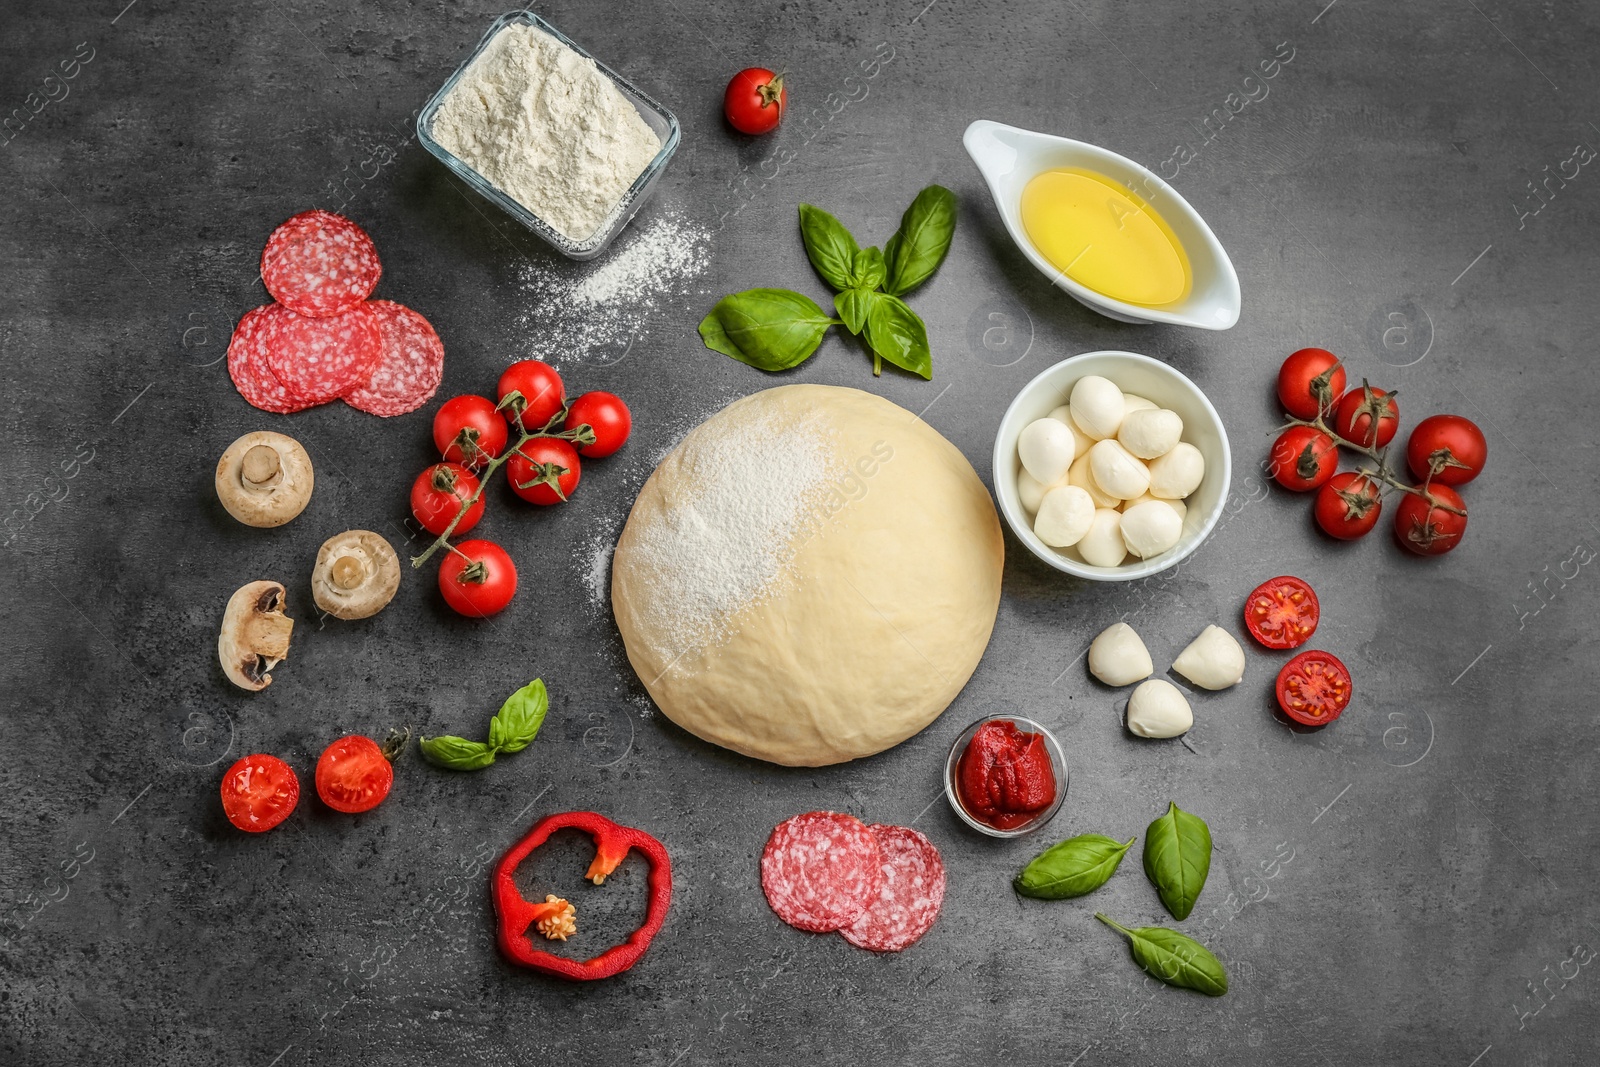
{"points": [[1046, 450], [1213, 660], [1157, 709], [1030, 491], [1151, 528], [1097, 406], [1118, 656], [1116, 471], [1080, 476], [1080, 440], [1176, 505], [1178, 473], [1150, 432], [1132, 403], [1064, 517], [1102, 546]]}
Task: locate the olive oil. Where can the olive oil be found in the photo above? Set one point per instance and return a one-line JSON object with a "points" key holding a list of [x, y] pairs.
{"points": [[1105, 237]]}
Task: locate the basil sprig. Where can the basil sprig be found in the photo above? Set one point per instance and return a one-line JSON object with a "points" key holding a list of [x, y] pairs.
{"points": [[1177, 858], [1072, 867], [1174, 958], [512, 729]]}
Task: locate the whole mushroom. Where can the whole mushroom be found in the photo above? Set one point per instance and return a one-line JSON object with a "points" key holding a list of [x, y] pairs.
{"points": [[264, 479], [356, 575], [255, 634]]}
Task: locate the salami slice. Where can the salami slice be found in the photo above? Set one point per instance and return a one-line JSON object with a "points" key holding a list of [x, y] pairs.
{"points": [[319, 360], [821, 870], [410, 366], [320, 264], [912, 893], [248, 367]]}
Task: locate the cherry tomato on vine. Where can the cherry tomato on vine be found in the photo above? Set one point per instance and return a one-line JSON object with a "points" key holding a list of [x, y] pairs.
{"points": [[1314, 688], [259, 792], [1303, 458], [468, 430], [542, 393], [1430, 529], [607, 416], [755, 100], [1367, 416], [353, 774], [545, 470], [439, 492], [477, 578], [1450, 448], [1348, 506], [1282, 612], [1310, 382]]}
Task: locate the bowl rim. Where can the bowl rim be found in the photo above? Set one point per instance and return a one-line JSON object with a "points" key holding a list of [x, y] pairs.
{"points": [[1058, 764], [1004, 460]]}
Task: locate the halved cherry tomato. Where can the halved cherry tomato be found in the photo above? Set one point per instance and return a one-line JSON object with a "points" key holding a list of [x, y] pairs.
{"points": [[468, 430], [1367, 416], [607, 416], [1449, 448], [259, 792], [477, 578], [545, 470], [541, 393], [353, 774], [1310, 382], [439, 492], [1303, 458], [1430, 529], [1282, 612], [1348, 506], [1313, 688]]}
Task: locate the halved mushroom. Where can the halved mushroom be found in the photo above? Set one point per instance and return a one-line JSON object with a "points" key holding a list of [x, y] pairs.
{"points": [[264, 479], [356, 575], [255, 634]]}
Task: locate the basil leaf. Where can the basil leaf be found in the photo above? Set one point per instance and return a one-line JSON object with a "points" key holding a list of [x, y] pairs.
{"points": [[896, 333], [1072, 867], [457, 753], [770, 329], [867, 270], [919, 245], [517, 723], [853, 306], [1174, 958], [1177, 858], [829, 246], [716, 338]]}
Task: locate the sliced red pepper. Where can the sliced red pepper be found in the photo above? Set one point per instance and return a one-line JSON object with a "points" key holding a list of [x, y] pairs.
{"points": [[553, 917]]}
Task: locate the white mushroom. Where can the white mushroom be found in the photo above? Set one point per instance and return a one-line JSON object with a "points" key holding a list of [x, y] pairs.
{"points": [[255, 634], [1118, 656], [1030, 491], [1065, 515], [1097, 406], [264, 479], [1080, 440], [1080, 476], [1151, 528], [1150, 432], [1116, 471], [1102, 546], [1213, 660], [1132, 402], [1176, 505], [356, 575], [1045, 447], [1178, 473], [1157, 709]]}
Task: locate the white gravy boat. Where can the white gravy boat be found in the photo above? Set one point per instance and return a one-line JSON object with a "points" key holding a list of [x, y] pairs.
{"points": [[1009, 158]]}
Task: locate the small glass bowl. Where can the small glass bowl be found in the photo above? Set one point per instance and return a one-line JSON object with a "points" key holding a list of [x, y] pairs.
{"points": [[658, 118], [1058, 763]]}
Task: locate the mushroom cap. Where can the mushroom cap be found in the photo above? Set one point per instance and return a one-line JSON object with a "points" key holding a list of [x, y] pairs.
{"points": [[356, 575], [264, 479], [255, 634]]}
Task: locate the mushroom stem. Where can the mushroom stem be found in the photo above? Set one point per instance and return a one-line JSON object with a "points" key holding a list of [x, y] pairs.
{"points": [[348, 572], [261, 467]]}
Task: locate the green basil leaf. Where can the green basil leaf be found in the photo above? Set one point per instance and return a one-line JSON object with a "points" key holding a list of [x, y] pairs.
{"points": [[829, 246], [1174, 958], [716, 338], [853, 306], [896, 333], [457, 753], [1177, 858], [868, 270], [517, 723], [1072, 867], [770, 329], [919, 245]]}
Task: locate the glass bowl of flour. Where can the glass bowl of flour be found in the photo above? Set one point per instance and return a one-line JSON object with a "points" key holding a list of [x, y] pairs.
{"points": [[559, 141]]}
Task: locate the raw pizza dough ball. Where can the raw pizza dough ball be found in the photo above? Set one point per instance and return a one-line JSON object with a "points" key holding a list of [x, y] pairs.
{"points": [[1213, 660], [1045, 447], [1102, 546], [1118, 656], [1064, 516], [1117, 472], [1150, 432], [1178, 473], [809, 577], [1080, 476], [1097, 406], [1151, 528]]}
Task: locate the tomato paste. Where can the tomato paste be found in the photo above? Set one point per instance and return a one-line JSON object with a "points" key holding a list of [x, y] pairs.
{"points": [[1005, 777]]}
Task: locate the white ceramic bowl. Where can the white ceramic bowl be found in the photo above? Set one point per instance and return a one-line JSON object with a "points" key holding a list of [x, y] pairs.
{"points": [[1143, 376], [1009, 158]]}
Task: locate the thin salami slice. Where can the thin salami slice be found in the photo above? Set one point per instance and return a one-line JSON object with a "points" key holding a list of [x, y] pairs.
{"points": [[912, 893], [322, 359], [410, 367], [821, 870], [320, 264], [248, 367]]}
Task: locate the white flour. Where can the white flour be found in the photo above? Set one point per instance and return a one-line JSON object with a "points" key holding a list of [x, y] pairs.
{"points": [[548, 127]]}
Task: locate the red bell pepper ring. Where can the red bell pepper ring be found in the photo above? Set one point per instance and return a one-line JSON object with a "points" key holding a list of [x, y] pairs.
{"points": [[517, 915]]}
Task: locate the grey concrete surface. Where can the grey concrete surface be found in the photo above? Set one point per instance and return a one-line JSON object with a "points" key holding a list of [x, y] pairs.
{"points": [[1411, 885]]}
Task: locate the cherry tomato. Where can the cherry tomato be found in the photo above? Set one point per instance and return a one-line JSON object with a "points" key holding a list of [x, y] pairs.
{"points": [[542, 393], [1310, 382], [477, 578], [353, 774], [1348, 506], [1303, 458], [544, 471], [439, 492], [259, 792], [607, 416], [1282, 612], [468, 430], [1360, 410], [755, 100], [1313, 688], [1449, 448], [1430, 529]]}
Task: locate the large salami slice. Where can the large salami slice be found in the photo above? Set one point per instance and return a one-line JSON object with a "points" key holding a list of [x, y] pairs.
{"points": [[821, 870], [912, 893], [319, 264], [319, 360], [410, 367], [248, 367]]}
